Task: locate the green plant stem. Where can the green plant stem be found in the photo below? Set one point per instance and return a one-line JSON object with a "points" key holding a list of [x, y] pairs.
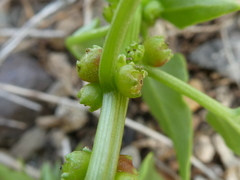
{"points": [[114, 41], [107, 144], [103, 163], [88, 35], [183, 88]]}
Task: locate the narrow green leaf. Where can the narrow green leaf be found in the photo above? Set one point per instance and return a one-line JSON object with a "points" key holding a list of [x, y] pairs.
{"points": [[183, 13], [9, 174], [229, 132], [148, 170], [46, 172], [172, 112]]}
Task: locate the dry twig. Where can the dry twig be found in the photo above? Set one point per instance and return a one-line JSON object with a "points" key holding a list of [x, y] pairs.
{"points": [[12, 123], [21, 101], [12, 43], [36, 33]]}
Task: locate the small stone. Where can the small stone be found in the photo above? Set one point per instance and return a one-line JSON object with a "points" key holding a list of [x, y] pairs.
{"points": [[48, 121], [233, 173], [224, 95], [203, 148], [30, 141], [59, 88], [73, 118], [199, 178]]}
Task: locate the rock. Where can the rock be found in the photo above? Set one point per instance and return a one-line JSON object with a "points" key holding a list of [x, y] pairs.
{"points": [[203, 148], [212, 55], [217, 169], [24, 71], [58, 88], [134, 153], [30, 141], [59, 66], [48, 121], [233, 173], [61, 142], [72, 118], [199, 178], [224, 95], [70, 23]]}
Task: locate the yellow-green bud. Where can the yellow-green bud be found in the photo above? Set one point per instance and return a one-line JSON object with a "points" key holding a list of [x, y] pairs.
{"points": [[129, 80], [76, 165], [91, 95], [157, 52], [135, 51], [151, 11], [125, 169], [88, 65]]}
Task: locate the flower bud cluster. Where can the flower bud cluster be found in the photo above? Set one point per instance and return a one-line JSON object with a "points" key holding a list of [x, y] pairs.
{"points": [[135, 52], [88, 67], [151, 11], [76, 165], [129, 76], [157, 51], [108, 11]]}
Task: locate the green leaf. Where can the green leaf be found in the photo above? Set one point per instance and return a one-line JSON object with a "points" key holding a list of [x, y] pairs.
{"points": [[148, 170], [229, 131], [172, 112], [183, 13], [85, 37], [49, 172], [9, 174]]}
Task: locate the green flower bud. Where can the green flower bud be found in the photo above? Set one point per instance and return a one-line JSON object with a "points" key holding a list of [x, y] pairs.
{"points": [[76, 165], [151, 11], [157, 52], [125, 176], [129, 80], [108, 11], [91, 95], [125, 169], [121, 61], [135, 51], [88, 66]]}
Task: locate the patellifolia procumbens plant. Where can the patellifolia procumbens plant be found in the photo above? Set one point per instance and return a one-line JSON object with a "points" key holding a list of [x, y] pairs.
{"points": [[127, 64]]}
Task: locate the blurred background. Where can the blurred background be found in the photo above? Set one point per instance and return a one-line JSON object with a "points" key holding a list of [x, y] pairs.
{"points": [[41, 120]]}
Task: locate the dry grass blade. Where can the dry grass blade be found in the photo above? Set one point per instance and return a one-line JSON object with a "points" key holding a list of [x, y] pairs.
{"points": [[12, 123], [36, 33], [12, 43], [21, 101], [39, 95]]}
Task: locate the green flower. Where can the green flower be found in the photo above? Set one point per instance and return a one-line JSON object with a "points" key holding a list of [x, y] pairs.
{"points": [[129, 80], [75, 167], [135, 51], [157, 52], [88, 65], [91, 95]]}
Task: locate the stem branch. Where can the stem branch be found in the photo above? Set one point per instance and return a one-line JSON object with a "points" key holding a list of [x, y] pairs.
{"points": [[180, 86]]}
